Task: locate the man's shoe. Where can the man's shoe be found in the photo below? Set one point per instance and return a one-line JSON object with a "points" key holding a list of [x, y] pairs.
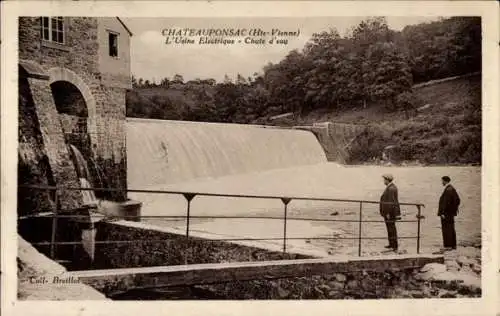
{"points": [[388, 247]]}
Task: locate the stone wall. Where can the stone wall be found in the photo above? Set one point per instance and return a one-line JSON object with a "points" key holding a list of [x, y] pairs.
{"points": [[43, 156], [156, 247], [77, 62], [335, 138], [394, 283], [160, 248]]}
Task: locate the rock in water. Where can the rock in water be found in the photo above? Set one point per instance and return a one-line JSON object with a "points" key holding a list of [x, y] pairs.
{"points": [[446, 276], [449, 295], [336, 286], [282, 293], [340, 277], [434, 267], [471, 281], [476, 268], [430, 270], [452, 265], [464, 261]]}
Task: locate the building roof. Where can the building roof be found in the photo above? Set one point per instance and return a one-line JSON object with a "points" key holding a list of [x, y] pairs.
{"points": [[125, 26]]}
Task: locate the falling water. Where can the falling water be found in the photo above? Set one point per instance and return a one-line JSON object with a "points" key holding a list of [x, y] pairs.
{"points": [[80, 163], [165, 152], [88, 195], [82, 170]]}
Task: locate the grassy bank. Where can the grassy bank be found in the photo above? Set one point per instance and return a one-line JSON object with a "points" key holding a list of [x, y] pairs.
{"points": [[446, 129]]}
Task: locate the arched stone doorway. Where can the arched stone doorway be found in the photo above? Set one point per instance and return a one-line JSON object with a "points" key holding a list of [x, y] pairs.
{"points": [[73, 113], [61, 77]]}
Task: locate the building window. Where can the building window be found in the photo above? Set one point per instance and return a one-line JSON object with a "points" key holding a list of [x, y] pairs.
{"points": [[113, 44], [53, 29]]}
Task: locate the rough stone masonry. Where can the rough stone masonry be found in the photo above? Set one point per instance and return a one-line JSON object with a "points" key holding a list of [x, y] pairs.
{"points": [[102, 80]]}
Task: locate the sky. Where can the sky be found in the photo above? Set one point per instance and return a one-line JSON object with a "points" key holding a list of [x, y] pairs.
{"points": [[152, 59]]}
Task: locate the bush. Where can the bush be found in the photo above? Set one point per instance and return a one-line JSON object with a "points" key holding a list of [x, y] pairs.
{"points": [[368, 145], [408, 102], [442, 122]]}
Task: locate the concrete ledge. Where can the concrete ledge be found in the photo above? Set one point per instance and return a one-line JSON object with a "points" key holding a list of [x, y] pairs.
{"points": [[205, 235], [40, 278], [148, 246], [33, 70], [114, 281]]}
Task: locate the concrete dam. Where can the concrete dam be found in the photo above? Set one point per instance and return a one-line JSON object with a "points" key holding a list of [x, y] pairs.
{"points": [[166, 152], [222, 159]]}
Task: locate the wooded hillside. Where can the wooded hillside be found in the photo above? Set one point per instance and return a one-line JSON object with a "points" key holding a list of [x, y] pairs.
{"points": [[371, 68]]}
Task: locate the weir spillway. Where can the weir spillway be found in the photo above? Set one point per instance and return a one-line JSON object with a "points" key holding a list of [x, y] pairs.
{"points": [[164, 152], [223, 159]]}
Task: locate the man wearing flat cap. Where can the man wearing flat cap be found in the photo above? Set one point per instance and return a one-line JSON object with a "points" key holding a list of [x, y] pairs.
{"points": [[389, 209], [448, 209]]}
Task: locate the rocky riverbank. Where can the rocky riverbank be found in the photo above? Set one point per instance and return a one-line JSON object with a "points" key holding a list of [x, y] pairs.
{"points": [[458, 277]]}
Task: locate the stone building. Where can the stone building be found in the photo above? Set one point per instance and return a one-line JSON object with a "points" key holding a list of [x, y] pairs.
{"points": [[73, 76]]}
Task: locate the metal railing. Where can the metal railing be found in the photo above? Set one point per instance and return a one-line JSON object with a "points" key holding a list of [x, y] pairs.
{"points": [[189, 196]]}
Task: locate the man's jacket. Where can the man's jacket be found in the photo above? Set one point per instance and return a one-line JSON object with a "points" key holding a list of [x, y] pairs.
{"points": [[390, 195], [449, 202]]}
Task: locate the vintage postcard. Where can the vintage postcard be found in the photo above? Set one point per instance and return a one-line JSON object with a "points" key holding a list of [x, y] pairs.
{"points": [[250, 157]]}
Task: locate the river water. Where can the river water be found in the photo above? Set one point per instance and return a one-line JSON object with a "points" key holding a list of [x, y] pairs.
{"points": [[251, 160], [416, 184]]}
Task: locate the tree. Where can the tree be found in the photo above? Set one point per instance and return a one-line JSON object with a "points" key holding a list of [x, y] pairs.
{"points": [[227, 79], [178, 79], [387, 73], [165, 82], [444, 48], [240, 80]]}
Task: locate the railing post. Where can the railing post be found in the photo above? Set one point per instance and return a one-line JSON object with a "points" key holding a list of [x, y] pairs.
{"points": [[285, 203], [418, 229], [188, 197], [359, 230], [54, 228]]}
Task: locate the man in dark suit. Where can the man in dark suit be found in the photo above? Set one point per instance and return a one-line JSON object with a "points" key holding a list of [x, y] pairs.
{"points": [[448, 209], [389, 209]]}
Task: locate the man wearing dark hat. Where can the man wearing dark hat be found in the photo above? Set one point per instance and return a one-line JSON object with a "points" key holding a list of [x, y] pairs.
{"points": [[389, 209], [448, 209]]}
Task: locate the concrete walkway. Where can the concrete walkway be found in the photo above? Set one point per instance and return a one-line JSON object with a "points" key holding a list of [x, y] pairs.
{"points": [[40, 278]]}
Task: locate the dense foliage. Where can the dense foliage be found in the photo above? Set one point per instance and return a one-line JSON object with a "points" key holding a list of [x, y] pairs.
{"points": [[367, 76], [371, 66]]}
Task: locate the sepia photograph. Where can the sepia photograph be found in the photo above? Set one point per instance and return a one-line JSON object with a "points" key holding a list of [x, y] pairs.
{"points": [[178, 158]]}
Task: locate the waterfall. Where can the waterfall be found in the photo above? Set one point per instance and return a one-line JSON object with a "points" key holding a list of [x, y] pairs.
{"points": [[82, 170], [80, 163], [88, 195], [166, 152]]}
